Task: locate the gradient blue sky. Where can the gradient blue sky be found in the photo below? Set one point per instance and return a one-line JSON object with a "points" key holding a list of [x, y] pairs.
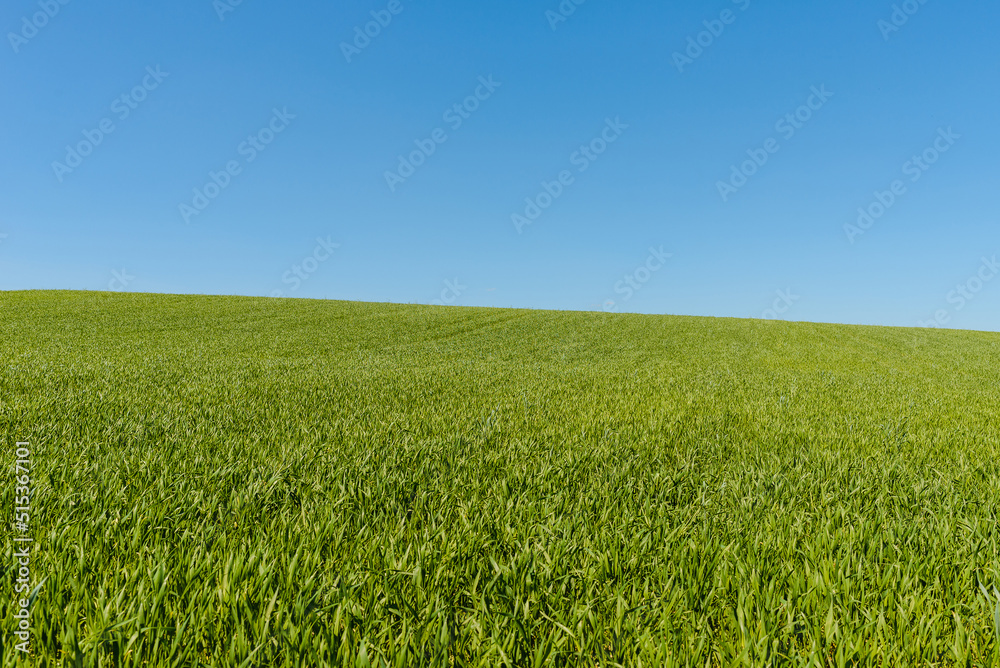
{"points": [[656, 186]]}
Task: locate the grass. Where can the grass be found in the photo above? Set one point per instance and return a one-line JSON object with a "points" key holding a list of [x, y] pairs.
{"points": [[237, 481]]}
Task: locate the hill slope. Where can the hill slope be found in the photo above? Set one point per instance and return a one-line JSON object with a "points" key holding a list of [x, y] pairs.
{"points": [[343, 482]]}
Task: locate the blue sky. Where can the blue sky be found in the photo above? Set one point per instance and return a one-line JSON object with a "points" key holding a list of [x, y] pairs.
{"points": [[618, 121]]}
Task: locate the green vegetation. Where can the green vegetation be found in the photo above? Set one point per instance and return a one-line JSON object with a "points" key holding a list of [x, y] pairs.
{"points": [[236, 481]]}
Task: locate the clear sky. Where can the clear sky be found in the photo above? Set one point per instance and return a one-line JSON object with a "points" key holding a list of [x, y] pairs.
{"points": [[701, 158]]}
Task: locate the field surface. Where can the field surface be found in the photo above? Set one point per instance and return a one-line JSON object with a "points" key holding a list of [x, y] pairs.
{"points": [[235, 481]]}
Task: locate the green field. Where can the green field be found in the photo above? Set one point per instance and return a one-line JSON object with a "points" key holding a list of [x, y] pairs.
{"points": [[239, 481]]}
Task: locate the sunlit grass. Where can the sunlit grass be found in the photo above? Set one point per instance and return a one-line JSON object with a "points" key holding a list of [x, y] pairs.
{"points": [[233, 481]]}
